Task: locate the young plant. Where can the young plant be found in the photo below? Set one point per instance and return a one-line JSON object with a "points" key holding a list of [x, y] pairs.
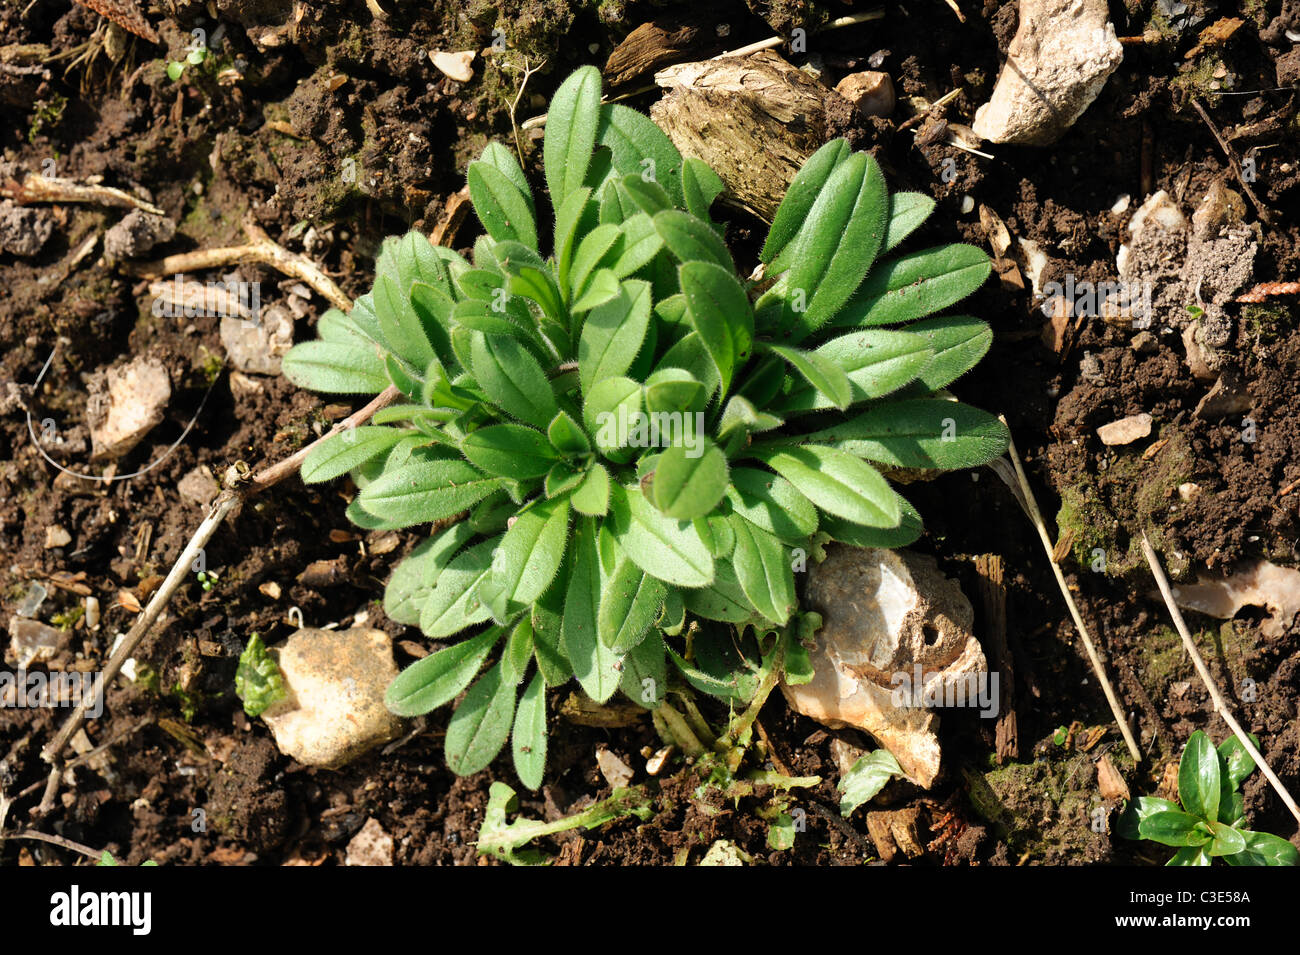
{"points": [[1211, 820], [619, 438]]}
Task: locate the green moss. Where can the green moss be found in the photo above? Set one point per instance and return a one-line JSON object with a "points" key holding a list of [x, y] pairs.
{"points": [[1197, 78], [1045, 809], [1106, 512], [68, 618], [1164, 660], [1266, 322], [46, 113]]}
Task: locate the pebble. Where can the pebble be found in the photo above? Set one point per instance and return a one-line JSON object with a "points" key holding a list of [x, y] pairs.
{"points": [[124, 404], [1125, 430]]}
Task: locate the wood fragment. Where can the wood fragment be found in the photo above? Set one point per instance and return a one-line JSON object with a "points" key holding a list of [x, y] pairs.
{"points": [[656, 44], [39, 188], [126, 14], [993, 597]]}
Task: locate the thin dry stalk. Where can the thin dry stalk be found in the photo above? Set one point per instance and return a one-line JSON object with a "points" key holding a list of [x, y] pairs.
{"points": [[1216, 697], [1025, 495], [40, 188]]}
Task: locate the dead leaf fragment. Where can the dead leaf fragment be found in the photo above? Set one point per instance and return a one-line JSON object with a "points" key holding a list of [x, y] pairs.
{"points": [[1259, 584]]}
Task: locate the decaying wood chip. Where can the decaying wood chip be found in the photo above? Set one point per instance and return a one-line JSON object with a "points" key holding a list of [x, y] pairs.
{"points": [[1110, 783], [1216, 34], [896, 830], [39, 188], [126, 14], [753, 119], [582, 710], [656, 44]]}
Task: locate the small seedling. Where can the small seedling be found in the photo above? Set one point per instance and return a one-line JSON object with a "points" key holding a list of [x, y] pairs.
{"points": [[207, 578], [643, 443], [107, 860], [258, 681], [177, 67], [1209, 823]]}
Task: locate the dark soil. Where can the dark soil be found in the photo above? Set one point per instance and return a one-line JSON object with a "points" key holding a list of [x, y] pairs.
{"points": [[329, 129]]}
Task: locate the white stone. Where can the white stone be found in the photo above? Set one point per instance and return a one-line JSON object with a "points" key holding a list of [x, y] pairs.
{"points": [[336, 681], [1125, 430], [1057, 64], [124, 404], [458, 66], [257, 346], [370, 846], [884, 614]]}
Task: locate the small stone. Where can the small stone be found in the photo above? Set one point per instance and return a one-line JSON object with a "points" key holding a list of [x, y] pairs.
{"points": [[457, 66], [31, 641], [896, 634], [1144, 342], [198, 486], [616, 772], [56, 536], [1057, 63], [370, 846], [24, 230], [257, 345], [336, 680], [1125, 430], [871, 92], [1228, 396], [1189, 491], [724, 852], [124, 404], [136, 235], [1221, 208], [92, 613]]}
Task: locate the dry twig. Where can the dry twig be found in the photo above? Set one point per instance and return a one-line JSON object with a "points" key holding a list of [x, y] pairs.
{"points": [[1216, 697]]}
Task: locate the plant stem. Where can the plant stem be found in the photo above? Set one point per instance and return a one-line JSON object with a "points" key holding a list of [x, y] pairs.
{"points": [[1220, 706]]}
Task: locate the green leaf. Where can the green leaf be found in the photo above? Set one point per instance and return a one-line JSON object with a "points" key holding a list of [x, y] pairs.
{"points": [[876, 363], [337, 455], [822, 373], [772, 503], [908, 531], [764, 569], [512, 378], [613, 333], [453, 604], [690, 240], [502, 206], [1129, 822], [838, 483], [258, 680], [921, 433], [632, 139], [402, 326], [503, 160], [528, 741], [640, 243], [481, 724], [907, 210], [867, 777], [609, 406], [531, 551], [424, 491], [1265, 849], [630, 603], [677, 393], [598, 247], [689, 479], [592, 496], [1227, 840], [602, 287], [440, 677], [700, 186], [916, 285], [668, 549], [1190, 855], [518, 651], [414, 579], [594, 664], [845, 229], [571, 132], [723, 599], [335, 368], [792, 213], [510, 450], [645, 671], [1198, 777], [1172, 828], [719, 311], [958, 342], [1237, 762], [566, 435]]}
